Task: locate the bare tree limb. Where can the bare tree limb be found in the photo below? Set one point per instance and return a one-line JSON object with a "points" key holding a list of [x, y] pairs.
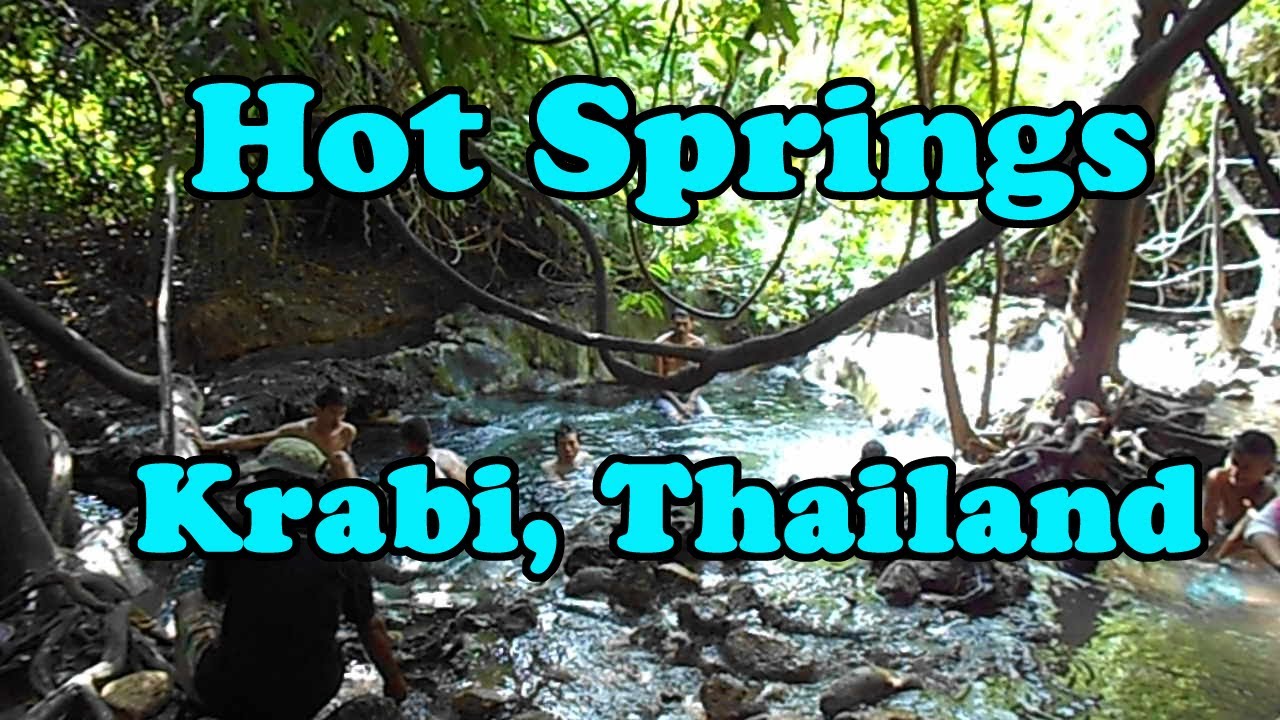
{"points": [[1245, 122], [168, 434], [1150, 72]]}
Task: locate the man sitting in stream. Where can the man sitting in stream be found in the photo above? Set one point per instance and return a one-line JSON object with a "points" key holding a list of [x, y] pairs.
{"points": [[271, 650], [670, 404], [327, 429], [569, 453], [415, 433]]}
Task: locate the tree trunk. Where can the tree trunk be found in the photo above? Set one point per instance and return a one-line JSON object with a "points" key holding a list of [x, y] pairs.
{"points": [[72, 345], [23, 436], [1228, 333], [25, 542], [1261, 335], [1100, 288]]}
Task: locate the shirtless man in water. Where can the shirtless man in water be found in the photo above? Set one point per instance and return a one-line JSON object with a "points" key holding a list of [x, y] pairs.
{"points": [[569, 453], [327, 429], [415, 432], [669, 403]]}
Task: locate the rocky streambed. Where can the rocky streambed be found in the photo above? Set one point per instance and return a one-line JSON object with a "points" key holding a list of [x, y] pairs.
{"points": [[608, 639]]}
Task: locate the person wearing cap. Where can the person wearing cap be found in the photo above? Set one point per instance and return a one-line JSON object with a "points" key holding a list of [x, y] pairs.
{"points": [[292, 457], [270, 650], [415, 433], [327, 430]]}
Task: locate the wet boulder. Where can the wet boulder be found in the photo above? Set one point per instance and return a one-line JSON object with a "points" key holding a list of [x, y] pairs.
{"points": [[367, 707], [702, 618], [631, 585], [724, 697], [481, 703], [760, 656], [979, 588], [865, 685], [588, 581], [139, 695]]}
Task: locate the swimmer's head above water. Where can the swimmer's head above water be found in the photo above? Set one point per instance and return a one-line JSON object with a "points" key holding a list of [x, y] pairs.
{"points": [[568, 444], [415, 433]]}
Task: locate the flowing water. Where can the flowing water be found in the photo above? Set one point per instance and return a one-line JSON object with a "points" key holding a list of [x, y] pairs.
{"points": [[1159, 640], [1169, 640]]}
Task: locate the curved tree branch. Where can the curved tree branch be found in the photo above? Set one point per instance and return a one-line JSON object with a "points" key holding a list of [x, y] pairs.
{"points": [[95, 361], [1245, 123], [1151, 71]]}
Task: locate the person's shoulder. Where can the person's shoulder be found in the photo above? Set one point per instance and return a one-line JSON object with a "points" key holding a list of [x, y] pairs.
{"points": [[1215, 476], [696, 341]]}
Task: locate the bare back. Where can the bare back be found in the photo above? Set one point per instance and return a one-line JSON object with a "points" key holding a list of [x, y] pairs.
{"points": [[449, 464]]}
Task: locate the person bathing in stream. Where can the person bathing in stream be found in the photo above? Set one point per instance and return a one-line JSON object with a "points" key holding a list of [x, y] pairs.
{"points": [[669, 403], [327, 428], [569, 453], [873, 449], [271, 652], [1240, 485], [415, 433]]}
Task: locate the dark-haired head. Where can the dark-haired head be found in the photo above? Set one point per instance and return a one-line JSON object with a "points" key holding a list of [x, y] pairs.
{"points": [[567, 442], [1254, 443], [565, 430], [1253, 456], [873, 448], [415, 432], [333, 396]]}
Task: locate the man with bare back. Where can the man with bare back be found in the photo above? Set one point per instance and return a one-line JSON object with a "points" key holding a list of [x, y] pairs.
{"points": [[415, 432], [327, 429], [670, 404]]}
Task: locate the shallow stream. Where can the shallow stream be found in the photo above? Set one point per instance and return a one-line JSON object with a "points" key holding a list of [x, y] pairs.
{"points": [[1133, 643]]}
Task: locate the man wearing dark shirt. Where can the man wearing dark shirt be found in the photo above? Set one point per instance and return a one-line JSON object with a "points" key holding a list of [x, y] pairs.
{"points": [[276, 655], [272, 653]]}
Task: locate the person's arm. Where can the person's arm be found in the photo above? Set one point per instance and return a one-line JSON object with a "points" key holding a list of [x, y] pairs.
{"points": [[358, 607], [239, 442], [373, 635]]}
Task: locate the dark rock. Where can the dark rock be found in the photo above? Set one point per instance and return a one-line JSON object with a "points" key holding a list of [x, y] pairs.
{"points": [[479, 703], [865, 685], [651, 636], [978, 588], [588, 581], [676, 579], [470, 416], [587, 555], [765, 657], [633, 585], [741, 596], [535, 715], [724, 697], [367, 707], [685, 652], [701, 619]]}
